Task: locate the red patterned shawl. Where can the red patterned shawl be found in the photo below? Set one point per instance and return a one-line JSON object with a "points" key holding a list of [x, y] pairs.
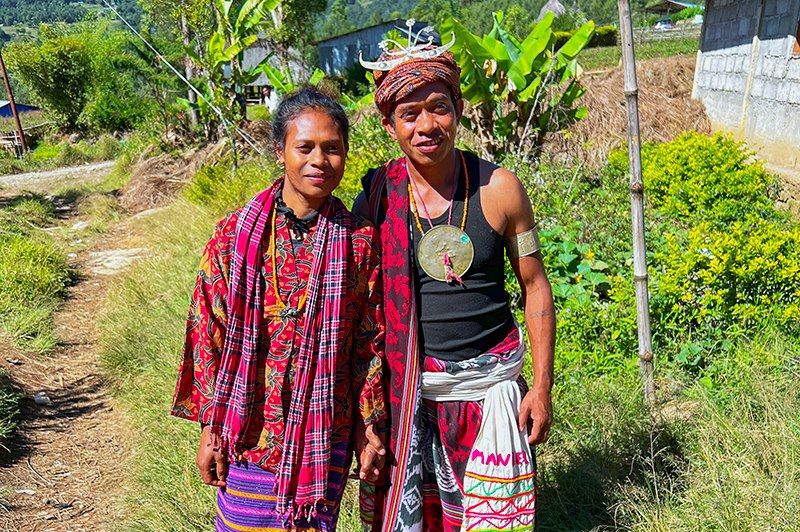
{"points": [[303, 474], [390, 184]]}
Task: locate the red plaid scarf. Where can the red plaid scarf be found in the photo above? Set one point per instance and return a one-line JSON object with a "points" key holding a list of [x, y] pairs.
{"points": [[303, 473]]}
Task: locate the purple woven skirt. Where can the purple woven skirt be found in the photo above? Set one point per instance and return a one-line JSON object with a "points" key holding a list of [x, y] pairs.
{"points": [[248, 503]]}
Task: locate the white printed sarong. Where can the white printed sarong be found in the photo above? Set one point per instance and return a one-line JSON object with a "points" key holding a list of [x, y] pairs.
{"points": [[499, 481]]}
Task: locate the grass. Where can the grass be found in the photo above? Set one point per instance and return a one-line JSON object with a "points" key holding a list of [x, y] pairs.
{"points": [[143, 350], [9, 409], [257, 112], [33, 280], [132, 148], [33, 273], [610, 56]]}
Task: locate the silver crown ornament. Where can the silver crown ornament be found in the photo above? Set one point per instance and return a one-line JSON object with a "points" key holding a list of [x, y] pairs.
{"points": [[418, 48]]}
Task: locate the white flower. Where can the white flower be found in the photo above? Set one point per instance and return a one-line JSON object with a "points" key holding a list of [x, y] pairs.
{"points": [[410, 22]]}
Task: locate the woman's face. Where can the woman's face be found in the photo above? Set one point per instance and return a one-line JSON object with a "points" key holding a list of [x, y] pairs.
{"points": [[313, 153]]}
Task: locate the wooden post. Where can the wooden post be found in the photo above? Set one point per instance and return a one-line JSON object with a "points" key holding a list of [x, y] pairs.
{"points": [[637, 203], [10, 93]]}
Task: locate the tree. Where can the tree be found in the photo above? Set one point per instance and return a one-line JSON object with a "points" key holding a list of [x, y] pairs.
{"points": [[517, 20], [58, 70], [293, 27], [336, 22], [437, 11], [191, 18], [84, 74]]}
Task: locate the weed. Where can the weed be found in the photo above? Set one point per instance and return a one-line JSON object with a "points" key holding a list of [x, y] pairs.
{"points": [[33, 273], [9, 408]]}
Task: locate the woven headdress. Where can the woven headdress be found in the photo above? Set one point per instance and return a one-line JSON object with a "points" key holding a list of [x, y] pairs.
{"points": [[402, 70]]}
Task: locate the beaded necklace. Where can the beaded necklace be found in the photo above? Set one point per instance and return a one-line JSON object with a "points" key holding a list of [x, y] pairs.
{"points": [[414, 209], [445, 252], [284, 310]]}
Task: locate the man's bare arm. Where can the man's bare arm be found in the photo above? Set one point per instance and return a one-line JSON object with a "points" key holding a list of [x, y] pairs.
{"points": [[537, 298]]}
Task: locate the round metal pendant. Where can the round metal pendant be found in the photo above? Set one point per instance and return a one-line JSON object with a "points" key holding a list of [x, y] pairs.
{"points": [[441, 239]]}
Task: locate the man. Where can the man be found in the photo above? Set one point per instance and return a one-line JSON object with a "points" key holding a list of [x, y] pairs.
{"points": [[461, 429], [269, 99]]}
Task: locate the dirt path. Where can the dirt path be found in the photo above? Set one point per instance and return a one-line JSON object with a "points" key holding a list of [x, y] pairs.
{"points": [[86, 173], [68, 455]]}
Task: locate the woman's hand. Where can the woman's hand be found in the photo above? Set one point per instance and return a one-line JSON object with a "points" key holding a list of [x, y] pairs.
{"points": [[211, 461], [371, 453]]}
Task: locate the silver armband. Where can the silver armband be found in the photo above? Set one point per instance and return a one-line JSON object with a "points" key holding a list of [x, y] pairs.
{"points": [[523, 244]]}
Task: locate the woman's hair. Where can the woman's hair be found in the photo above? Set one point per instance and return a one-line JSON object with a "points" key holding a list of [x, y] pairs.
{"points": [[306, 99]]}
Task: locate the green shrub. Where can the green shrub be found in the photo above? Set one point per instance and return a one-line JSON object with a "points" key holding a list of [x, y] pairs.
{"points": [[746, 273], [106, 148], [214, 187], [599, 335], [70, 155], [10, 164], [723, 261], [257, 112], [574, 271], [46, 151], [58, 70], [703, 178], [687, 13], [85, 75], [370, 147], [603, 36]]}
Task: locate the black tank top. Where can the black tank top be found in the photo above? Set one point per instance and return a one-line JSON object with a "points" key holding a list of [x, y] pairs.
{"points": [[461, 322]]}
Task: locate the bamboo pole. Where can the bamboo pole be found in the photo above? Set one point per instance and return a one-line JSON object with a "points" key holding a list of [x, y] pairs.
{"points": [[637, 203], [10, 93]]}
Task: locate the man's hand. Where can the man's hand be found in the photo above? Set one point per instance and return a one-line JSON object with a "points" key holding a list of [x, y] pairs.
{"points": [[371, 453], [211, 461], [537, 407]]}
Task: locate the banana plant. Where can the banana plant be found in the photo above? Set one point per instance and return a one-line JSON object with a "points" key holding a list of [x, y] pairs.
{"points": [[237, 27], [518, 91], [282, 81]]}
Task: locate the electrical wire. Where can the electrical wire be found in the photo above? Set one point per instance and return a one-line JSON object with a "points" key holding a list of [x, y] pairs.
{"points": [[225, 122]]}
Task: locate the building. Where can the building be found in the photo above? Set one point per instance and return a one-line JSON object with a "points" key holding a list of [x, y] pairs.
{"points": [[5, 108], [256, 53], [339, 53], [666, 7], [748, 77]]}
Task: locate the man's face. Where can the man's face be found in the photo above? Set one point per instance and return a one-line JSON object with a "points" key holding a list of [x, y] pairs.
{"points": [[424, 124]]}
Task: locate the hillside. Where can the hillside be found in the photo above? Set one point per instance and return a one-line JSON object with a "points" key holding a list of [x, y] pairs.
{"points": [[473, 13], [28, 13]]}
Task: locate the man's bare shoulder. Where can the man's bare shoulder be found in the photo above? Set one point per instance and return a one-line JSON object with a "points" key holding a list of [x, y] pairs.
{"points": [[504, 198], [500, 183]]}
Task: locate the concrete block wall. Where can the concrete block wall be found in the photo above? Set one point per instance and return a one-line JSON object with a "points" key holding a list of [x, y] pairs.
{"points": [[748, 74]]}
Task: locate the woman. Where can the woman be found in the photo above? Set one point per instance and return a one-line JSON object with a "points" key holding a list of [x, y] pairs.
{"points": [[283, 355]]}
